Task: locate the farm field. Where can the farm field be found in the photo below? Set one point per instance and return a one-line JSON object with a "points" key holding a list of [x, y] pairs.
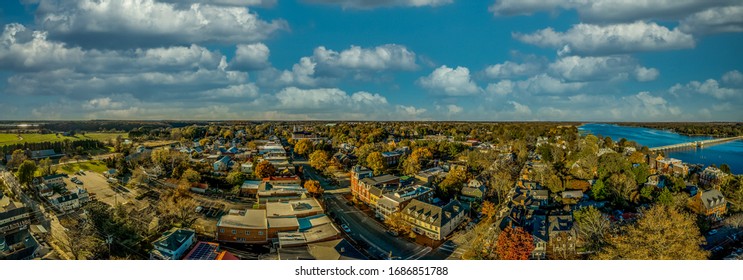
{"points": [[10, 138]]}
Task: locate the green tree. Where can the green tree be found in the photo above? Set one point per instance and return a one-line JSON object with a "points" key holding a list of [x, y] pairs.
{"points": [[26, 172], [18, 157], [303, 147], [641, 173], [397, 223], [264, 169], [375, 161], [319, 160], [236, 178], [665, 197], [599, 190], [454, 181], [725, 168], [191, 176], [661, 233], [46, 167]]}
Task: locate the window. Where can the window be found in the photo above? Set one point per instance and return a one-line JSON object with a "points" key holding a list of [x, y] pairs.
{"points": [[247, 232], [221, 230], [234, 231], [260, 232]]}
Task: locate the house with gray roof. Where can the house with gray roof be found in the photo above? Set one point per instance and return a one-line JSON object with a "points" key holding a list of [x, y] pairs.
{"points": [[433, 221], [173, 245]]}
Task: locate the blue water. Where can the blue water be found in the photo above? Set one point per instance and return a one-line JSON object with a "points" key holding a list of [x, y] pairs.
{"points": [[730, 152]]}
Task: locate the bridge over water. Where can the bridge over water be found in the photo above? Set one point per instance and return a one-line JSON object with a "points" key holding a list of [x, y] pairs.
{"points": [[696, 144]]}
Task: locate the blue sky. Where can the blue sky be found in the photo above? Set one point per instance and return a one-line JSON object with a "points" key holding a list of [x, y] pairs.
{"points": [[575, 60]]}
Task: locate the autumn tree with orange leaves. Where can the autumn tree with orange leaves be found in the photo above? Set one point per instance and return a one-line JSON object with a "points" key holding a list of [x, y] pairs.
{"points": [[514, 244]]}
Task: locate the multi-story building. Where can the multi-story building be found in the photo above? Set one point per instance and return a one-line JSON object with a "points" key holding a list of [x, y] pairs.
{"points": [[357, 173], [392, 158], [369, 190], [16, 242], [562, 236], [711, 176], [711, 204], [257, 226], [433, 221], [245, 226], [395, 201]]}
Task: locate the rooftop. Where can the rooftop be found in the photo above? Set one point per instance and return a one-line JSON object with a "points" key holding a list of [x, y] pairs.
{"points": [[250, 218], [432, 214], [292, 208], [174, 239]]}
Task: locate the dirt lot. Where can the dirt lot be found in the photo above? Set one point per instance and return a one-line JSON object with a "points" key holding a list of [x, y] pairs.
{"points": [[96, 184]]}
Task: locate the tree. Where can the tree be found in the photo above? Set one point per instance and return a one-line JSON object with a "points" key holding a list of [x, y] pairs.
{"points": [[236, 178], [264, 169], [178, 209], [641, 173], [599, 190], [319, 160], [454, 181], [313, 187], [665, 197], [46, 167], [191, 176], [662, 233], [78, 238], [26, 172], [375, 161], [514, 244], [18, 157], [64, 159], [725, 168], [488, 209], [303, 147], [411, 165], [592, 227], [397, 223]]}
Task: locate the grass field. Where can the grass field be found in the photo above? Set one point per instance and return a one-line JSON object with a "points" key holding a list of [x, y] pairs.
{"points": [[10, 139], [94, 166]]}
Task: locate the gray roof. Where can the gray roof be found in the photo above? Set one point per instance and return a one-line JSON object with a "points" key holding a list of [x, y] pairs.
{"points": [[174, 238], [373, 181], [432, 214], [560, 223], [473, 192], [712, 199]]}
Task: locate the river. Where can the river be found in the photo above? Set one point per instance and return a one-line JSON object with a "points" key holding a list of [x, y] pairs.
{"points": [[730, 152]]}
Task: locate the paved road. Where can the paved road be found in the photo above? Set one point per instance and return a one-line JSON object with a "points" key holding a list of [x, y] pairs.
{"points": [[372, 233]]}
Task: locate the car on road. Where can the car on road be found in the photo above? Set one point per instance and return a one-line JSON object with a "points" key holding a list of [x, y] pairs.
{"points": [[345, 228], [712, 232], [349, 203], [392, 232]]}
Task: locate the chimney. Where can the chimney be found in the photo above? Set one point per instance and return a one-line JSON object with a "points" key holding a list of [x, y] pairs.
{"points": [[343, 249]]}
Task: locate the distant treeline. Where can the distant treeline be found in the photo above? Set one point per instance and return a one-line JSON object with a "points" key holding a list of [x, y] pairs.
{"points": [[67, 146], [711, 129]]}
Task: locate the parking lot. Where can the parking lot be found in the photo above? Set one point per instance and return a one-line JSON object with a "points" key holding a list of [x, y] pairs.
{"points": [[99, 188]]}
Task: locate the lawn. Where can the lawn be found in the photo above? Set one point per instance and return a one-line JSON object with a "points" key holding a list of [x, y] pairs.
{"points": [[10, 138], [94, 166]]}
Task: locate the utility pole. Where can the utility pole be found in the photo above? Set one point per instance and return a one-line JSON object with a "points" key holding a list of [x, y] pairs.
{"points": [[109, 240]]}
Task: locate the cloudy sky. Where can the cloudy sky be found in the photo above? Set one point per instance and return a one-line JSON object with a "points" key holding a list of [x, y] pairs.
{"points": [[600, 60]]}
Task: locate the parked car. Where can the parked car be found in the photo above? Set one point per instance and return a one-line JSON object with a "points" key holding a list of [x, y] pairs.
{"points": [[712, 232], [345, 228], [392, 232]]}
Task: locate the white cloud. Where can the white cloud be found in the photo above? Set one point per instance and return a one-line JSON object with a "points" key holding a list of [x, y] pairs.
{"points": [[250, 57], [243, 3], [648, 106], [597, 68], [503, 87], [509, 70], [609, 10], [370, 4], [643, 74], [714, 20], [589, 39], [384, 57], [410, 110], [454, 109], [520, 108], [709, 87], [302, 73], [450, 81], [127, 23], [326, 99], [733, 78], [545, 84]]}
